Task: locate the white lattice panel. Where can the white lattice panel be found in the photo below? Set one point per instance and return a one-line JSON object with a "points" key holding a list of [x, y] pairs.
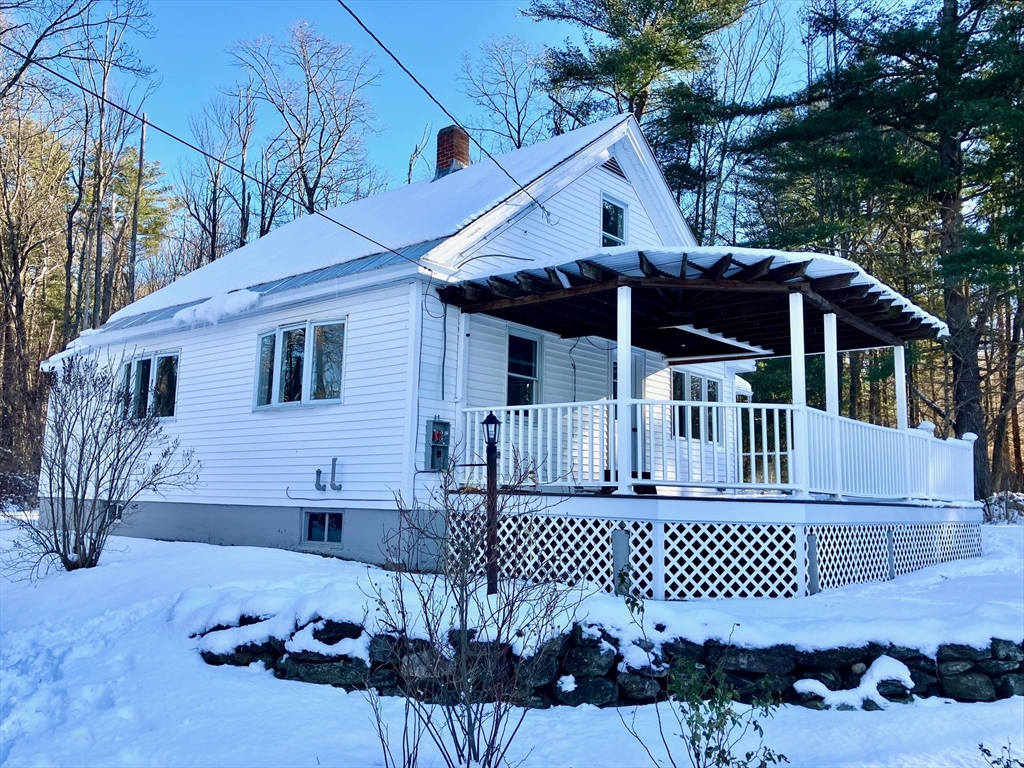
{"points": [[711, 560], [915, 547], [851, 554], [568, 549], [958, 541]]}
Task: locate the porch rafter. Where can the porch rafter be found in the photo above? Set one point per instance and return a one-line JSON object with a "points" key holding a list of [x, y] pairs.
{"points": [[700, 303]]}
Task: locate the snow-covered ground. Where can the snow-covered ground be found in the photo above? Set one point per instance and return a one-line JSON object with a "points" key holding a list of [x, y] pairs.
{"points": [[96, 667]]}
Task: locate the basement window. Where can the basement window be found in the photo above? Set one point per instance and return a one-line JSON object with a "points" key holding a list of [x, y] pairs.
{"points": [[150, 386], [323, 527], [613, 223], [300, 364]]}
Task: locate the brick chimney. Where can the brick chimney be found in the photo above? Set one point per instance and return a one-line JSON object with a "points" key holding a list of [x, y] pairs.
{"points": [[452, 150]]}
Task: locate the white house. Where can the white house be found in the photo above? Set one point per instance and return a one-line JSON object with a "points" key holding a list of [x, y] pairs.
{"points": [[345, 357]]}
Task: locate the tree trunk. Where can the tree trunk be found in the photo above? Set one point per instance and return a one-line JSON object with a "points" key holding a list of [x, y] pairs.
{"points": [[963, 335], [1007, 407]]}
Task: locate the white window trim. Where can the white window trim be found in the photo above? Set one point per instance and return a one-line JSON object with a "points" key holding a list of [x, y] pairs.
{"points": [[537, 337], [152, 357], [307, 366], [600, 219]]}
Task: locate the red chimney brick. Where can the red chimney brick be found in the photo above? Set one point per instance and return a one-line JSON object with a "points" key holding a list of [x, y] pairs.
{"points": [[452, 144]]}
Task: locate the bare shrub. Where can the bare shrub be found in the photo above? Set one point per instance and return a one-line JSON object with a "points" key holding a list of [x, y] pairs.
{"points": [[96, 461], [460, 652], [702, 723]]}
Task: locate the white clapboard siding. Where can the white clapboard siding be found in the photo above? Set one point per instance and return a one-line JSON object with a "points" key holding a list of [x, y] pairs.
{"points": [[261, 457], [488, 368], [574, 221]]}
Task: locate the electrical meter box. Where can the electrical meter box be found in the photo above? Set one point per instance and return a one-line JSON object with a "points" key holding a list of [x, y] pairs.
{"points": [[439, 436]]}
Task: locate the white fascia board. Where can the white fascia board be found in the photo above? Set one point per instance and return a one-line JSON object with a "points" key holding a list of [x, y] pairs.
{"points": [[396, 274], [542, 189], [652, 188], [724, 339]]}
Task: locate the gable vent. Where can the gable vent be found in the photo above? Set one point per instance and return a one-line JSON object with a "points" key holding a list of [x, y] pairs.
{"points": [[613, 166]]}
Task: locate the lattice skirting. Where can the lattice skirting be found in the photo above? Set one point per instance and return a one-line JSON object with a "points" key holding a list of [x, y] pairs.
{"points": [[851, 554], [677, 561]]}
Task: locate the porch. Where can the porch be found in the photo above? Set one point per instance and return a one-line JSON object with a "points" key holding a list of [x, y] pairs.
{"points": [[703, 305], [713, 498]]}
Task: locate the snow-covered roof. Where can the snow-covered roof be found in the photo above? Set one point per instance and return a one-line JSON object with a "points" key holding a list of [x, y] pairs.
{"points": [[626, 261], [427, 210]]}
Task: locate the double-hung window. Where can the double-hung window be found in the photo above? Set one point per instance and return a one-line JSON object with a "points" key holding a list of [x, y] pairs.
{"points": [[150, 385], [523, 370], [613, 223], [697, 422], [300, 364]]}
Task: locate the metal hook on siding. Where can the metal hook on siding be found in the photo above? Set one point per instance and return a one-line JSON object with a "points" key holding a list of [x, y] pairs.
{"points": [[319, 486], [334, 468]]}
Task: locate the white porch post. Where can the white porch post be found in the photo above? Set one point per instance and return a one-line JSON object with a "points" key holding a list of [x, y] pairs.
{"points": [[797, 365], [831, 365], [832, 398], [900, 366], [900, 362], [624, 391]]}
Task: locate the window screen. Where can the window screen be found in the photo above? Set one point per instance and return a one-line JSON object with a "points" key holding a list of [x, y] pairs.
{"points": [[613, 224], [328, 348], [140, 387], [293, 350], [265, 385], [166, 386]]}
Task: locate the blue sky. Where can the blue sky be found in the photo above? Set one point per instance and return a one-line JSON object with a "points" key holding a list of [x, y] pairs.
{"points": [[188, 52]]}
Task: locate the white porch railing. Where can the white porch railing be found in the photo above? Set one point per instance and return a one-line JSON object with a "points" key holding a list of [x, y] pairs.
{"points": [[730, 446]]}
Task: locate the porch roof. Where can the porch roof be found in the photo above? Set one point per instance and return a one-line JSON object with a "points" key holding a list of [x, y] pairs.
{"points": [[700, 304]]}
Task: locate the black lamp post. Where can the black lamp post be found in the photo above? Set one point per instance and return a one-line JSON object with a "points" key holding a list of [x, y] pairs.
{"points": [[492, 427]]}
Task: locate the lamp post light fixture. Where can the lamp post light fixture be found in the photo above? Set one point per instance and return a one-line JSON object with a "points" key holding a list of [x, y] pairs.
{"points": [[492, 428]]}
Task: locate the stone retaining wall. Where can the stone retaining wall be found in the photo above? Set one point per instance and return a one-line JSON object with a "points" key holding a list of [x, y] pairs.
{"points": [[599, 676]]}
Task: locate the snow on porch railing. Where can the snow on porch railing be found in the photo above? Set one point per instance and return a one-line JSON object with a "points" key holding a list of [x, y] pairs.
{"points": [[852, 458]]}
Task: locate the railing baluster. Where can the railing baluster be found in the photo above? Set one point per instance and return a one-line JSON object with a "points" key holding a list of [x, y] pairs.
{"points": [[778, 446]]}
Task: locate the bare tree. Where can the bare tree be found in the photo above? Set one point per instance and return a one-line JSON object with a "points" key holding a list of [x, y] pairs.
{"points": [[203, 181], [318, 91], [460, 652], [506, 84], [98, 458], [241, 117], [54, 32], [417, 153]]}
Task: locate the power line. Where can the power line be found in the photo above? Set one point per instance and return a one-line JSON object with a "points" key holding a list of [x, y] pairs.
{"points": [[144, 121], [440, 106]]}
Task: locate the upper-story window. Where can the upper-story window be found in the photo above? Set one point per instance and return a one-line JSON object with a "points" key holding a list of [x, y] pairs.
{"points": [[613, 223], [523, 370], [300, 364], [150, 385]]}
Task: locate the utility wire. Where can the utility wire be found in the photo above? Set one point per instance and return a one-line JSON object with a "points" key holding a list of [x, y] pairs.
{"points": [[218, 160], [440, 106]]}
